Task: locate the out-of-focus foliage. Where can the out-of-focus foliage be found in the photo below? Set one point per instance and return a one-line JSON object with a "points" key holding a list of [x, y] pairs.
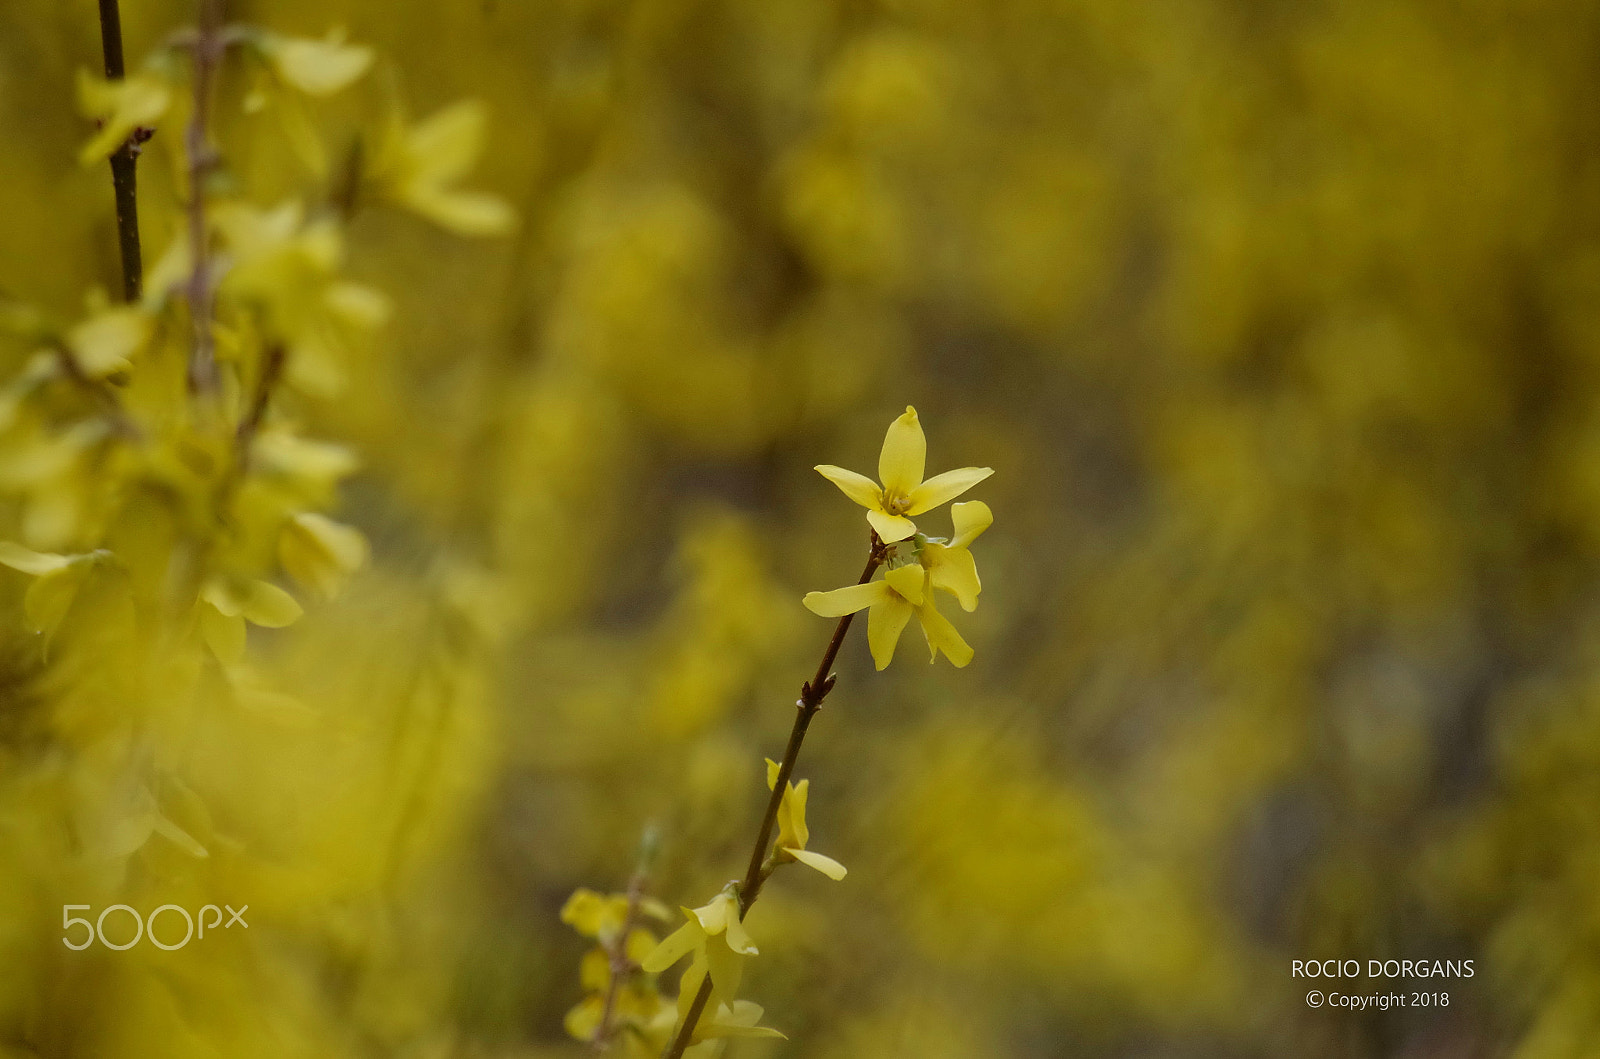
{"points": [[1279, 321]]}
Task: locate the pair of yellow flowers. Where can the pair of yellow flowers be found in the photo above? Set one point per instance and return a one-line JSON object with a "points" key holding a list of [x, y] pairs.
{"points": [[916, 564]]}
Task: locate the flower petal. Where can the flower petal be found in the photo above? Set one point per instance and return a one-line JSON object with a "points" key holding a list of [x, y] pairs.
{"points": [[739, 939], [857, 487], [826, 865], [773, 768], [970, 520], [953, 570], [908, 581], [674, 947], [945, 487], [942, 636], [842, 601], [904, 455], [727, 970], [885, 622], [891, 528], [792, 830]]}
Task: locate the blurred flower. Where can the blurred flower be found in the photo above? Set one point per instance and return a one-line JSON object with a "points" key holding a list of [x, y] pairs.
{"points": [[316, 67], [903, 492], [418, 167], [120, 107]]}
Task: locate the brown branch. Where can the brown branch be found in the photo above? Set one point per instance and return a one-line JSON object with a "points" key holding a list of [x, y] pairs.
{"points": [[812, 692], [124, 162], [209, 45]]}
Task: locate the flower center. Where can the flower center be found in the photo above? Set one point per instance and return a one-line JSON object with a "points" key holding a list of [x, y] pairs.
{"points": [[896, 504]]}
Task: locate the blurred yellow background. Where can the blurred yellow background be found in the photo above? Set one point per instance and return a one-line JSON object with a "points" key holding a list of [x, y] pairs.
{"points": [[1279, 323]]}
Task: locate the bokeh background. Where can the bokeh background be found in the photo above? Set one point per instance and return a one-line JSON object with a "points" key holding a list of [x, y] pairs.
{"points": [[1280, 324]]}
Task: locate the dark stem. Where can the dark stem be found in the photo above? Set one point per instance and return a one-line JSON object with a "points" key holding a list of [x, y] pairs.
{"points": [[812, 692], [124, 163]]}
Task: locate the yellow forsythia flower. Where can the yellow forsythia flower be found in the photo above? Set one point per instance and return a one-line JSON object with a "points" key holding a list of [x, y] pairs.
{"points": [[890, 602], [418, 167], [119, 107], [316, 67], [792, 830], [903, 491]]}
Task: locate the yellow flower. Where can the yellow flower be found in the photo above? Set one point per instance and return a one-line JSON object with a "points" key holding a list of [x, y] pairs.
{"points": [[119, 107], [316, 67], [716, 936], [903, 492], [420, 166], [901, 592], [792, 830], [949, 564]]}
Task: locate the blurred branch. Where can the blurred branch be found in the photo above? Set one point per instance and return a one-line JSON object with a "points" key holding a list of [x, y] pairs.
{"points": [[622, 966], [209, 44], [812, 692], [124, 162]]}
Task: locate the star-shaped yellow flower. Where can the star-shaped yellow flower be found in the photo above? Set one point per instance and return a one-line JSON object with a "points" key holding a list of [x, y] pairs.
{"points": [[792, 830], [716, 935], [889, 604], [903, 492]]}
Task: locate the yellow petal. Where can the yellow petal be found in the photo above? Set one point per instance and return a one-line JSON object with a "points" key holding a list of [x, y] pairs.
{"points": [[594, 970], [908, 581], [891, 528], [714, 915], [953, 570], [269, 606], [945, 487], [50, 597], [470, 213], [727, 970], [970, 520], [640, 943], [320, 553], [792, 830], [842, 601], [739, 939], [30, 562], [905, 453], [105, 342], [826, 865], [773, 768], [584, 1019], [675, 946], [689, 984], [885, 622], [317, 67], [942, 636], [857, 487], [444, 146]]}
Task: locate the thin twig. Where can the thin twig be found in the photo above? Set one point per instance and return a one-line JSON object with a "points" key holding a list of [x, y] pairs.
{"points": [[812, 692], [124, 162], [209, 45], [623, 967]]}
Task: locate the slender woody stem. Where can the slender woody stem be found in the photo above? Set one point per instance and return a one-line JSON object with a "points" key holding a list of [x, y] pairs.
{"points": [[124, 162], [209, 44], [812, 692]]}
